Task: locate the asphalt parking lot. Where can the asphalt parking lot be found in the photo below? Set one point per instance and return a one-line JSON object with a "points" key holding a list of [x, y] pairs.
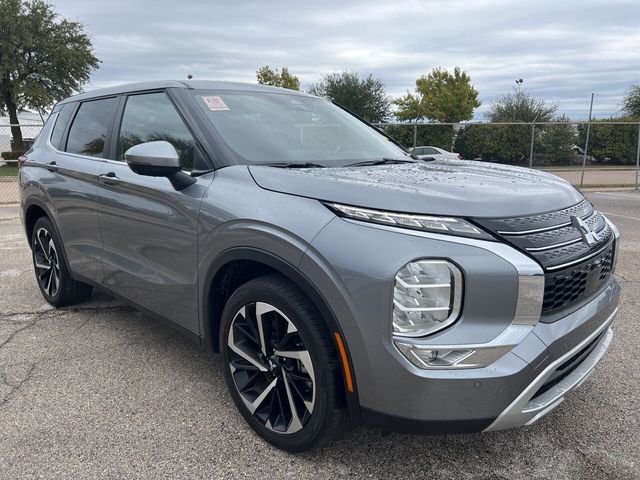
{"points": [[101, 391]]}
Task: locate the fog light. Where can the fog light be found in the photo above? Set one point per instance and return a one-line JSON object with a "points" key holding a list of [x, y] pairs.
{"points": [[427, 296], [440, 357]]}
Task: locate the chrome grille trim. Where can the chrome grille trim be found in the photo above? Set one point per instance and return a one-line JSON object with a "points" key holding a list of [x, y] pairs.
{"points": [[529, 232], [570, 242], [543, 220], [551, 247], [517, 233], [579, 260]]}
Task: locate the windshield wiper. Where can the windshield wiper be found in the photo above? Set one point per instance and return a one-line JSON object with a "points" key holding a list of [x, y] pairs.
{"points": [[294, 165], [383, 161]]}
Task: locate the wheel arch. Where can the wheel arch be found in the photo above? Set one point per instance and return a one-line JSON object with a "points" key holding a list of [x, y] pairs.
{"points": [[32, 213], [35, 209], [219, 284]]}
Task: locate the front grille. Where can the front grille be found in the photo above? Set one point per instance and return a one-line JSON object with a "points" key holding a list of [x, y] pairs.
{"points": [[574, 270], [569, 285]]}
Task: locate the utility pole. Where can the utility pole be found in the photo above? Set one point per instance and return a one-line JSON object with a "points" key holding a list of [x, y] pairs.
{"points": [[533, 138], [586, 143]]}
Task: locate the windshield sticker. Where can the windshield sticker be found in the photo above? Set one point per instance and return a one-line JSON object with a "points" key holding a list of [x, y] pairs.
{"points": [[215, 104]]}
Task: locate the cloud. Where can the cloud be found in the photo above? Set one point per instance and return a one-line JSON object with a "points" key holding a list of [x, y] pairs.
{"points": [[563, 50]]}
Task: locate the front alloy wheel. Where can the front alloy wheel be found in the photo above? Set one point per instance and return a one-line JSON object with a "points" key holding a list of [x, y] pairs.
{"points": [[271, 367], [281, 366]]}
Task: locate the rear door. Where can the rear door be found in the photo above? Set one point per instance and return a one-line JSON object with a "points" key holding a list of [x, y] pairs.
{"points": [[79, 144], [149, 230]]}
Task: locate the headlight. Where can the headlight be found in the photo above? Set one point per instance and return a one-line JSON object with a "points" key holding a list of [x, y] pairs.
{"points": [[448, 225], [427, 297]]}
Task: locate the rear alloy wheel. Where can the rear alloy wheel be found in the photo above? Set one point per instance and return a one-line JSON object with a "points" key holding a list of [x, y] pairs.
{"points": [[54, 279], [47, 262], [281, 366]]}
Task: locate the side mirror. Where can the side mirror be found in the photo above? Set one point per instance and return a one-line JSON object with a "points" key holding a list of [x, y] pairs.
{"points": [[158, 159], [154, 159]]}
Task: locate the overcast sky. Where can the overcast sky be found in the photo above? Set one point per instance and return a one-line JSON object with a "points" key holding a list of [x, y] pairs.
{"points": [[563, 49]]}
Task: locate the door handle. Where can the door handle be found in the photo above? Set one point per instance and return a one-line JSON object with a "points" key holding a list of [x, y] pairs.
{"points": [[52, 166], [109, 178]]}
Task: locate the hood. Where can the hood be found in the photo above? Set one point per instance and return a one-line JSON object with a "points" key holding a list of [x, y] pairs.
{"points": [[441, 187]]}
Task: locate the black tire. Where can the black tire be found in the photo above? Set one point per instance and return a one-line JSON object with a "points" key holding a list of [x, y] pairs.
{"points": [[50, 265], [320, 386]]}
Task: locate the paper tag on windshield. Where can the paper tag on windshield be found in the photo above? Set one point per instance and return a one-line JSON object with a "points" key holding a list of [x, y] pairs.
{"points": [[215, 104]]}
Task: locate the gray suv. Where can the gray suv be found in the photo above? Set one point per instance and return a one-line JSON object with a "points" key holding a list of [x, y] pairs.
{"points": [[341, 279]]}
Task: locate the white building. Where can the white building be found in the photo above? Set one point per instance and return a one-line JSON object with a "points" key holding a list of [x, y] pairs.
{"points": [[30, 122]]}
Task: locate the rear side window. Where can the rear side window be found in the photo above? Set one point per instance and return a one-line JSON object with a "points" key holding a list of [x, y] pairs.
{"points": [[430, 151], [89, 130], [64, 115], [151, 117]]}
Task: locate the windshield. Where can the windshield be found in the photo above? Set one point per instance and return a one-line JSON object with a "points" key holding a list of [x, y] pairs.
{"points": [[263, 128]]}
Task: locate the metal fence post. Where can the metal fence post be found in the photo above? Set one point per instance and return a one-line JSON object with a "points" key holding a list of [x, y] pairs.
{"points": [[586, 143], [638, 157], [415, 133], [533, 136]]}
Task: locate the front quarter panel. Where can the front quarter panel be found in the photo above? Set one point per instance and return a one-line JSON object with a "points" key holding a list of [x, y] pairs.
{"points": [[237, 214], [354, 265]]}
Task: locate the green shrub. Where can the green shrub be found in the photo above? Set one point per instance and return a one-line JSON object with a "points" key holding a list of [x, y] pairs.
{"points": [[494, 143], [430, 134], [11, 155], [555, 142], [618, 143]]}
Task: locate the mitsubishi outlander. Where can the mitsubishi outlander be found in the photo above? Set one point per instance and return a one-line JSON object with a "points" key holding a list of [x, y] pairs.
{"points": [[342, 279]]}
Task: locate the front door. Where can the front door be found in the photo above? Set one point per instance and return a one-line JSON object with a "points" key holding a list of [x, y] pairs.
{"points": [[149, 230]]}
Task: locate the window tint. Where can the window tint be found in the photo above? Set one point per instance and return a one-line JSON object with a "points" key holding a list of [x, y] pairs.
{"points": [[430, 151], [151, 117], [90, 127], [61, 123]]}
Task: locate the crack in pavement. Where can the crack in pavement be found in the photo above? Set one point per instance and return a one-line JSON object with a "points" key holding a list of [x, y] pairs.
{"points": [[13, 334], [56, 312], [13, 388]]}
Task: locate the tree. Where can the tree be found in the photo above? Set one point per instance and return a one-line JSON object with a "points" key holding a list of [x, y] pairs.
{"points": [[364, 96], [42, 59], [440, 96], [509, 143], [268, 76], [631, 102], [520, 106]]}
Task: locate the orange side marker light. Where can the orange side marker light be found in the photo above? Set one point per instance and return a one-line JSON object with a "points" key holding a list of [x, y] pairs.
{"points": [[345, 362]]}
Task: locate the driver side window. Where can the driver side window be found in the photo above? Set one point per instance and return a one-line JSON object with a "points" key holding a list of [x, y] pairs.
{"points": [[150, 117]]}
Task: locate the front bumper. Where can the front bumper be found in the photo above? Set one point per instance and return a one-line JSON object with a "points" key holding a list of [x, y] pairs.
{"points": [[536, 401], [520, 388]]}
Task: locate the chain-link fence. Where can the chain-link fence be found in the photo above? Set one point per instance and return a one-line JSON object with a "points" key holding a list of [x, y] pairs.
{"points": [[600, 153], [9, 153]]}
